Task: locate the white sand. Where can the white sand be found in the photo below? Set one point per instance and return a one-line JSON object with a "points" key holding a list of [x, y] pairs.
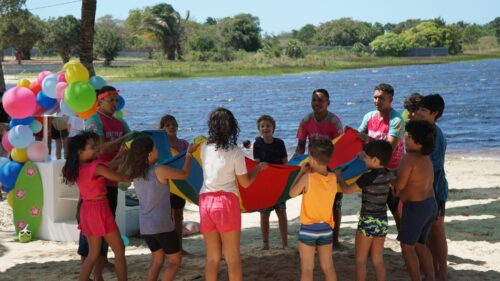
{"points": [[472, 214]]}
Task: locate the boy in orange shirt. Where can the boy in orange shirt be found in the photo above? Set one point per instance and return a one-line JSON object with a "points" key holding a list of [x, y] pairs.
{"points": [[318, 186]]}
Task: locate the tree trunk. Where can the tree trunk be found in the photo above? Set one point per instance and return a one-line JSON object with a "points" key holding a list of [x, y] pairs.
{"points": [[87, 34], [25, 54], [2, 80]]}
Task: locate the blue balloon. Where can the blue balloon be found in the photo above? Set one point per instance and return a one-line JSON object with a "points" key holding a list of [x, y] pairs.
{"points": [[44, 101], [97, 82], [121, 103], [24, 121], [35, 126], [3, 160], [49, 86], [8, 174], [21, 136]]}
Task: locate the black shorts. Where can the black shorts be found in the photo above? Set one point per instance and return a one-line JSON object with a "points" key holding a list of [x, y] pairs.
{"points": [[56, 134], [167, 241], [176, 202]]}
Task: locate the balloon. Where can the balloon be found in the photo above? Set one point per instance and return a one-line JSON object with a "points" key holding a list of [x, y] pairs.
{"points": [[65, 110], [86, 114], [35, 87], [121, 103], [119, 114], [21, 136], [6, 143], [38, 151], [79, 96], [126, 242], [44, 101], [42, 76], [9, 173], [3, 160], [49, 86], [19, 155], [75, 71], [97, 82], [61, 76], [35, 126], [19, 102], [24, 83], [60, 88], [24, 121]]}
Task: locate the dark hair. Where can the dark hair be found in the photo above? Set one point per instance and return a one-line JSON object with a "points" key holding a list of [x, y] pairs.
{"points": [[167, 119], [223, 128], [321, 150], [323, 91], [379, 148], [434, 103], [422, 132], [247, 143], [386, 88], [268, 118], [412, 102], [136, 160], [104, 89], [71, 168]]}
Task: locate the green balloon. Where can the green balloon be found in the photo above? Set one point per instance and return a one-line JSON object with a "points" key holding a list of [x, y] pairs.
{"points": [[119, 114], [79, 96]]}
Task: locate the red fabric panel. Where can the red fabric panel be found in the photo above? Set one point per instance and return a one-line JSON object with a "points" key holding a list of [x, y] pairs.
{"points": [[346, 148]]}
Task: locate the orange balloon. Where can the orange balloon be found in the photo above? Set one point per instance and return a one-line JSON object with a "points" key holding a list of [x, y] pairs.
{"points": [[86, 114]]}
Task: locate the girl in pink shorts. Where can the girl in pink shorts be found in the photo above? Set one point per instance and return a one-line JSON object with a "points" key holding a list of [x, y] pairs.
{"points": [[220, 216], [96, 219]]}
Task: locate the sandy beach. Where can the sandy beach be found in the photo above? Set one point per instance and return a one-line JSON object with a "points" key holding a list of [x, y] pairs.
{"points": [[473, 212]]}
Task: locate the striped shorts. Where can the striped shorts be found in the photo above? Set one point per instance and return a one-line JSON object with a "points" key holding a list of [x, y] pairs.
{"points": [[316, 234]]}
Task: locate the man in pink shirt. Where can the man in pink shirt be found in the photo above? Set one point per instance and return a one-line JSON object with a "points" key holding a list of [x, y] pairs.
{"points": [[322, 124]]}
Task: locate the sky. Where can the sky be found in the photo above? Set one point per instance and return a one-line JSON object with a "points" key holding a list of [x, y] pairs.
{"points": [[278, 16]]}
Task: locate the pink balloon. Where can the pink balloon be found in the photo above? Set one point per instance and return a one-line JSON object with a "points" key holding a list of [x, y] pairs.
{"points": [[61, 76], [6, 143], [19, 102], [60, 87], [38, 152], [42, 76]]}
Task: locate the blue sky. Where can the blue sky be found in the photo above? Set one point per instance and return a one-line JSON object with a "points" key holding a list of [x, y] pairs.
{"points": [[281, 15]]}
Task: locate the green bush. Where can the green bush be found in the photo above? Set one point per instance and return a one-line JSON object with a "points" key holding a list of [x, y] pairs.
{"points": [[390, 44], [294, 49]]}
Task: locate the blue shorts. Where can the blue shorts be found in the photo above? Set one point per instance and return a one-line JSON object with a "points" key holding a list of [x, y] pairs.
{"points": [[316, 234], [278, 207], [417, 220], [373, 227]]}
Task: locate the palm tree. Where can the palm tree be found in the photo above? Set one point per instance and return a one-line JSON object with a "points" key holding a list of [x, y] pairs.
{"points": [[165, 24], [87, 34]]}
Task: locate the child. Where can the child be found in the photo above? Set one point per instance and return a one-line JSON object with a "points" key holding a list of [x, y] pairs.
{"points": [[318, 187], [59, 127], [153, 191], [411, 104], [431, 108], [373, 224], [220, 216], [169, 124], [271, 150], [414, 183], [96, 220], [318, 124]]}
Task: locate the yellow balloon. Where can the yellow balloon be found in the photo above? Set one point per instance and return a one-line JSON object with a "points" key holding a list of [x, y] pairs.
{"points": [[19, 155], [75, 71], [10, 198], [24, 83]]}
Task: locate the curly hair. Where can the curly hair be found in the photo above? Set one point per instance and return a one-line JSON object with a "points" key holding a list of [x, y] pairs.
{"points": [[423, 133], [71, 168], [223, 128], [135, 162]]}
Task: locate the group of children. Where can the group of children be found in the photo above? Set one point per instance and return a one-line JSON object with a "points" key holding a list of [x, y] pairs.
{"points": [[224, 168]]}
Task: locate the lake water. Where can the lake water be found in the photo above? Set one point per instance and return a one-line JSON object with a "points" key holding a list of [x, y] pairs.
{"points": [[471, 120]]}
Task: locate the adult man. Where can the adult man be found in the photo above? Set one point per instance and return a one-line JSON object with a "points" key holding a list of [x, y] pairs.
{"points": [[385, 123]]}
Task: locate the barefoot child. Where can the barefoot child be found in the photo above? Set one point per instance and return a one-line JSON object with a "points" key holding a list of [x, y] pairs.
{"points": [[271, 150], [431, 108], [96, 220], [153, 191], [169, 124], [414, 184], [373, 224], [224, 167], [318, 187]]}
